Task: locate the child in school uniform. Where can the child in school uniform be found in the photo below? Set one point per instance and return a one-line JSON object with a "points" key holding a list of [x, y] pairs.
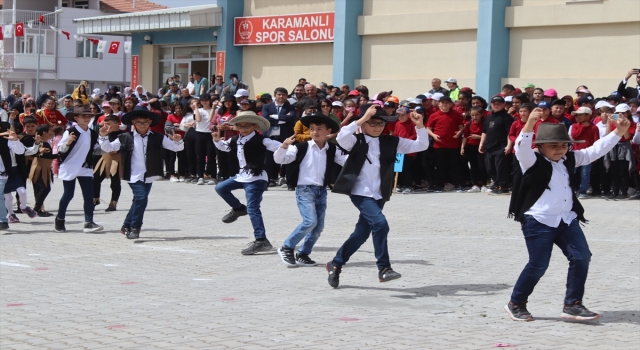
{"points": [[76, 163], [10, 145], [584, 130], [311, 164], [141, 159], [544, 203], [469, 149], [40, 174], [247, 153], [367, 177]]}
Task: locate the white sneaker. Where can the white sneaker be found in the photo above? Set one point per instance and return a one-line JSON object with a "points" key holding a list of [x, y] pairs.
{"points": [[212, 182], [200, 181], [407, 190], [181, 179], [485, 189], [284, 185], [281, 181], [399, 189], [174, 179], [474, 189]]}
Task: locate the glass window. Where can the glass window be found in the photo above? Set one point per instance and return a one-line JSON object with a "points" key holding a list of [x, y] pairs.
{"points": [[165, 72], [87, 49], [191, 52], [16, 84], [165, 53], [81, 4], [49, 42]]}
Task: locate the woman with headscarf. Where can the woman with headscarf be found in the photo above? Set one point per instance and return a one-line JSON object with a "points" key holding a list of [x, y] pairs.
{"points": [[139, 91]]}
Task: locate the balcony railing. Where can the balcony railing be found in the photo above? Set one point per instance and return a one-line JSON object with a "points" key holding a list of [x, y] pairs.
{"points": [[22, 61], [24, 16]]}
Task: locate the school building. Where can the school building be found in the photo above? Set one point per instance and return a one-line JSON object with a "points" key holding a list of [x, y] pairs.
{"points": [[385, 44]]}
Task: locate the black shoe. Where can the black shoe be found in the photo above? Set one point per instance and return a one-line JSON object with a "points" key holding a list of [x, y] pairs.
{"points": [[291, 188], [388, 274], [286, 255], [305, 260], [4, 226], [112, 206], [30, 212], [96, 202], [256, 247], [272, 183], [334, 274], [233, 215], [60, 225], [43, 214], [497, 190], [18, 210], [518, 312], [91, 227], [133, 233], [635, 196], [125, 230], [612, 196], [578, 312]]}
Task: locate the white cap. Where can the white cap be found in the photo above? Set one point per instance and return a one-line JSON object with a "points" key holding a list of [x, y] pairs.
{"points": [[508, 99], [242, 92], [582, 110], [623, 107], [451, 80], [337, 103], [583, 90], [416, 101], [437, 96], [603, 103], [428, 95]]}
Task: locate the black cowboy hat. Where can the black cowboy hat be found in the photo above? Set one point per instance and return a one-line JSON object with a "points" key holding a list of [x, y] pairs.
{"points": [[84, 110], [141, 112], [380, 113], [320, 118]]}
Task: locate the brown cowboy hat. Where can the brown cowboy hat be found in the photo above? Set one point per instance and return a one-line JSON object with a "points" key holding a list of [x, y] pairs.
{"points": [[84, 110]]}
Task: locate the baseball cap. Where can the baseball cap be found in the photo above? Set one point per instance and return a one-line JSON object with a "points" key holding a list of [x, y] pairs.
{"points": [[613, 97], [354, 93], [528, 86], [585, 99], [451, 80], [603, 103], [583, 90], [582, 110], [242, 92], [445, 99], [337, 103], [550, 92], [623, 107], [508, 99], [498, 99], [559, 102], [437, 96], [467, 90], [544, 104], [633, 101], [390, 104], [415, 101], [105, 104], [421, 97], [245, 102]]}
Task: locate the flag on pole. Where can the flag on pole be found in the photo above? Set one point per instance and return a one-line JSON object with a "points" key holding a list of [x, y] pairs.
{"points": [[127, 47], [7, 31], [78, 37], [101, 45], [60, 31], [94, 41], [30, 24], [41, 19], [19, 29], [113, 48]]}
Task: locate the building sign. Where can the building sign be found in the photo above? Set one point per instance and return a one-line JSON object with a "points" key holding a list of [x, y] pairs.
{"points": [[286, 29], [220, 57], [135, 60]]}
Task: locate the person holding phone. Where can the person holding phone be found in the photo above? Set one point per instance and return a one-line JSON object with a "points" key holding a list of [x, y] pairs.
{"points": [[630, 92]]}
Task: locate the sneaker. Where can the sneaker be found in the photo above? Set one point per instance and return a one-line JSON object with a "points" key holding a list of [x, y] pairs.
{"points": [[635, 196], [91, 227], [518, 312], [438, 189], [431, 188], [305, 260], [388, 275], [96, 202], [272, 183], [134, 233], [290, 188], [286, 255], [173, 179], [18, 210], [497, 190], [578, 312], [43, 214], [181, 179], [256, 247], [4, 226], [212, 182], [233, 215], [200, 181], [583, 196], [407, 190], [112, 206], [125, 230], [281, 181], [399, 189], [334, 274], [449, 187], [459, 189], [59, 225], [13, 219], [30, 212], [474, 189]]}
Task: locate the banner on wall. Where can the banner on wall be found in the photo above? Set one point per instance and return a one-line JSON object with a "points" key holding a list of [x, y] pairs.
{"points": [[220, 58], [134, 70], [286, 29]]}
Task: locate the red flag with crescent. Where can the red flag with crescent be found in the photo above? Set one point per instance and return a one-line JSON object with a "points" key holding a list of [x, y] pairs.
{"points": [[113, 48], [41, 19], [19, 29]]}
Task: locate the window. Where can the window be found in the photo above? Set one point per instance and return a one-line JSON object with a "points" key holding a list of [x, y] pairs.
{"points": [[65, 3], [87, 49], [81, 4], [16, 84], [26, 44]]}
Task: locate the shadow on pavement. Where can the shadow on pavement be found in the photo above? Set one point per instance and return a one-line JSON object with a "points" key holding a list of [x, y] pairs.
{"points": [[393, 262], [443, 290], [175, 239], [631, 317]]}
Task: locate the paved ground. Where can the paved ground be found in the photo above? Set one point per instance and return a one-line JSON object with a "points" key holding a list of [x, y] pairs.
{"points": [[185, 285]]}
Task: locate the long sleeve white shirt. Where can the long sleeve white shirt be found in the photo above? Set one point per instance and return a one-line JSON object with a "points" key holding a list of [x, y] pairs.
{"points": [[72, 167], [368, 181], [139, 154], [557, 200], [15, 147], [314, 163], [244, 176]]}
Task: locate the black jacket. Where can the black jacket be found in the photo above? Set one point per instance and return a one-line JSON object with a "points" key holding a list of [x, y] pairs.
{"points": [[287, 114], [628, 92]]}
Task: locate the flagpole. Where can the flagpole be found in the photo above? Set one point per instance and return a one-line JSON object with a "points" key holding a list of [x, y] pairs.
{"points": [[40, 47]]}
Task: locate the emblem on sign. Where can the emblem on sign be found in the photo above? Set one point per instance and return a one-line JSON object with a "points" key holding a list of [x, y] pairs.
{"points": [[245, 29]]}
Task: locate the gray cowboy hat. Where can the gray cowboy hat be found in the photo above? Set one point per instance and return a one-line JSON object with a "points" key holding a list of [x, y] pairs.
{"points": [[84, 110], [552, 133]]}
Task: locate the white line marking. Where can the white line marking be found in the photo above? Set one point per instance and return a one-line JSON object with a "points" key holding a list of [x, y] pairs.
{"points": [[12, 264]]}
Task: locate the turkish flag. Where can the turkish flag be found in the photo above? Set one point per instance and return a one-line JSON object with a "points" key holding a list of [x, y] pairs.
{"points": [[1, 36], [113, 48], [19, 29]]}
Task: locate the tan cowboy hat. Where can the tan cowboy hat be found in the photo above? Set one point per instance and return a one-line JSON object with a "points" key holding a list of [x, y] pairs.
{"points": [[252, 118]]}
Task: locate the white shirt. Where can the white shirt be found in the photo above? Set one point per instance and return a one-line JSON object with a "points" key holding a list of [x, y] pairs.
{"points": [[314, 163], [72, 167], [602, 129], [368, 181], [15, 147], [3, 115], [191, 88], [139, 154], [28, 151], [188, 118], [245, 176], [203, 124], [556, 201]]}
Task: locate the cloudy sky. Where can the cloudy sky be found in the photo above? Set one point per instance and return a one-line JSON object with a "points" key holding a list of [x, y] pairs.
{"points": [[182, 3]]}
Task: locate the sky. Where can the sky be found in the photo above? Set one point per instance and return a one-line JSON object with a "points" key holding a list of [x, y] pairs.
{"points": [[183, 3]]}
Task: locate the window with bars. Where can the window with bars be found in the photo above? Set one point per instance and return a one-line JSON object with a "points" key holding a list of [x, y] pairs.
{"points": [[87, 49]]}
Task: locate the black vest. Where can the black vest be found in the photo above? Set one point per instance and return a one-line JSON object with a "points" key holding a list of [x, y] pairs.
{"points": [[254, 155], [293, 173], [528, 187], [89, 160], [21, 159], [153, 156], [5, 154], [358, 155]]}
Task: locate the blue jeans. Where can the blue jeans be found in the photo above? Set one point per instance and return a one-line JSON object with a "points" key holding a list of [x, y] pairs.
{"points": [[3, 208], [585, 177], [371, 222], [312, 203], [135, 215], [540, 239], [86, 186], [253, 191]]}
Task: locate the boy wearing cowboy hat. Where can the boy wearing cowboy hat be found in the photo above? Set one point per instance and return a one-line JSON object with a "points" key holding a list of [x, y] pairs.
{"points": [[246, 158], [76, 163], [141, 160], [544, 203], [310, 168], [367, 177]]}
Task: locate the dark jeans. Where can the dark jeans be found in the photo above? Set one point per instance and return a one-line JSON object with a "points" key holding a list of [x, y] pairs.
{"points": [[477, 165], [448, 166], [371, 222], [190, 151], [86, 185], [620, 176], [498, 166], [205, 155], [540, 239], [428, 164], [116, 186], [271, 167], [253, 191], [405, 178], [223, 165], [135, 215], [600, 178], [41, 191], [183, 168]]}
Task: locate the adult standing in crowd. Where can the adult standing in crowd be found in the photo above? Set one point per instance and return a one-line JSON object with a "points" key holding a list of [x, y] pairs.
{"points": [[235, 85], [435, 87], [493, 144], [218, 87], [454, 89], [282, 117], [200, 84], [630, 92]]}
